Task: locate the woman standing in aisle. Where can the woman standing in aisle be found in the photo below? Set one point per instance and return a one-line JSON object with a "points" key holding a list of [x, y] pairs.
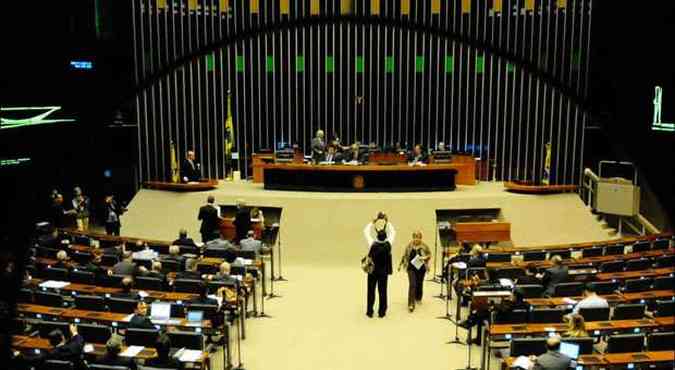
{"points": [[416, 259]]}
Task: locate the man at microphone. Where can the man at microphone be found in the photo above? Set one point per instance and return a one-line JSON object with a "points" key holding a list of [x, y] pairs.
{"points": [[190, 171]]}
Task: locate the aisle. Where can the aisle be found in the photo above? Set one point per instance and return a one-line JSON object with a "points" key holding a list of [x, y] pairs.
{"points": [[320, 323]]}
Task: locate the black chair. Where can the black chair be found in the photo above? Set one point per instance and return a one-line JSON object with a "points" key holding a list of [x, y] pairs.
{"points": [[143, 262], [623, 343], [46, 327], [187, 285], [585, 344], [216, 252], [90, 302], [187, 339], [122, 305], [177, 310], [237, 270], [55, 273], [188, 249], [660, 244], [591, 252], [106, 367], [615, 266], [531, 290], [528, 346], [564, 253], [665, 261], [606, 287], [109, 259], [48, 299], [149, 283], [595, 314], [641, 247], [638, 264], [664, 308], [638, 285], [25, 296], [511, 273], [546, 315], [614, 250], [664, 283], [207, 269], [534, 256], [250, 255], [57, 365], [512, 317], [498, 257], [209, 310], [81, 240], [661, 341], [114, 281], [213, 286], [81, 258], [140, 337], [568, 290], [82, 277], [628, 311], [94, 333], [171, 266]]}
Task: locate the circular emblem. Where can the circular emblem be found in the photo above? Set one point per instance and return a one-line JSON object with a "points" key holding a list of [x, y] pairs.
{"points": [[358, 182]]}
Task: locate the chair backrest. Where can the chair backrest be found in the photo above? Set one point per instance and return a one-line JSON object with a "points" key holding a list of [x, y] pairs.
{"points": [[660, 244], [90, 302], [623, 343], [563, 253], [638, 264], [48, 299], [188, 249], [122, 305], [591, 252], [148, 283], [143, 262], [207, 269], [511, 273], [140, 337], [248, 255], [568, 290], [661, 341], [216, 252], [585, 344], [110, 280], [664, 282], [94, 333], [528, 346], [25, 296], [213, 286], [628, 311], [82, 277], [606, 287], [170, 266], [498, 257], [81, 258], [531, 290], [187, 285], [55, 273], [512, 317], [57, 365], [534, 256], [595, 314], [546, 315], [109, 260], [46, 327], [237, 270], [641, 247], [208, 309], [665, 261], [187, 339], [638, 285], [614, 266], [613, 250], [664, 308]]}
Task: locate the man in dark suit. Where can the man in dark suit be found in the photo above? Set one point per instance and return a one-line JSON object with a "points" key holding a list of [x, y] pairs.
{"points": [[318, 147], [209, 215], [418, 156], [64, 350], [530, 277], [61, 217], [554, 275], [190, 270], [140, 319], [126, 293], [183, 239], [242, 221], [380, 253], [552, 359], [190, 170], [50, 240], [126, 266], [174, 255], [155, 271], [111, 357]]}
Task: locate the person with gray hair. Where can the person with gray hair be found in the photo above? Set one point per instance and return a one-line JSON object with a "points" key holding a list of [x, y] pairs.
{"points": [[209, 215], [553, 276], [552, 359], [252, 244], [191, 170], [112, 357], [318, 147], [81, 206]]}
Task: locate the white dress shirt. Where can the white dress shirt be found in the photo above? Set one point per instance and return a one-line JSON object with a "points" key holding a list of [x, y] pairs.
{"points": [[368, 233], [593, 301]]}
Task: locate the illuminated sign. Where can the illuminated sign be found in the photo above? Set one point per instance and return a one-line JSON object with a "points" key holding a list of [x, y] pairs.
{"points": [[82, 64], [36, 119], [657, 123], [7, 162]]}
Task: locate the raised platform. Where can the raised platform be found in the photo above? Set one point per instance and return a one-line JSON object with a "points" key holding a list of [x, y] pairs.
{"points": [[207, 184], [326, 228]]}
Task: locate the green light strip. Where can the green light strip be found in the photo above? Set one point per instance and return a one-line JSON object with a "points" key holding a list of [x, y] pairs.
{"points": [[40, 119]]}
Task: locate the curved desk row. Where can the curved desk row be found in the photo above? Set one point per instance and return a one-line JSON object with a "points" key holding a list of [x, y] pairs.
{"points": [[206, 184]]}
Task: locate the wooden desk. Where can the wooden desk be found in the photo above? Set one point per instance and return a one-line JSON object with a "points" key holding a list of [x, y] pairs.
{"points": [[528, 188], [587, 260], [635, 274], [583, 245], [591, 326], [480, 232], [584, 360], [652, 294], [202, 185], [560, 301], [642, 357]]}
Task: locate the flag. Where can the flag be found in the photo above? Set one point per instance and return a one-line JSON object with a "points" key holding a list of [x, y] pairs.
{"points": [[346, 6], [223, 5], [330, 64], [284, 7], [419, 63], [360, 64], [299, 63], [161, 4], [547, 165], [435, 6], [315, 7], [449, 64], [496, 6], [174, 164], [254, 6], [374, 7], [466, 6], [405, 7], [192, 4], [562, 4], [229, 138], [529, 4], [389, 64], [480, 64]]}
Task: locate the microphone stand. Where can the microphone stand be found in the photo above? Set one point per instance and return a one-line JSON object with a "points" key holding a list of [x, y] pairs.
{"points": [[447, 315], [457, 317], [280, 278], [434, 277], [468, 350]]}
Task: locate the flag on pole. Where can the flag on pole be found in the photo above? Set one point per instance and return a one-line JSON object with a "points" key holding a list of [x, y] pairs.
{"points": [[229, 139], [174, 164], [547, 166]]}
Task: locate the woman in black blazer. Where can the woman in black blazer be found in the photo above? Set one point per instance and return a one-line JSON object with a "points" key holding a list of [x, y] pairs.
{"points": [[380, 253]]}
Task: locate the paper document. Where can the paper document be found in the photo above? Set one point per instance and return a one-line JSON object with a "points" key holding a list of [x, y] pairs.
{"points": [[54, 284], [190, 355], [418, 262], [88, 348], [132, 351], [569, 300], [522, 362], [506, 283], [142, 294]]}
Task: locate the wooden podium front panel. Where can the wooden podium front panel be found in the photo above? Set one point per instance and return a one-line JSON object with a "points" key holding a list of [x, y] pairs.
{"points": [[228, 230], [258, 163], [482, 231]]}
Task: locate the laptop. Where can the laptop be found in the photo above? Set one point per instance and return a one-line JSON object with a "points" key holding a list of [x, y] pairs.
{"points": [[571, 350], [195, 318], [160, 312]]}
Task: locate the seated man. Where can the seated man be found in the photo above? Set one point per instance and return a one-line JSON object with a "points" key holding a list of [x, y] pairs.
{"points": [[163, 360], [111, 356], [226, 248], [190, 170], [62, 261], [140, 320], [591, 299], [183, 239], [126, 266], [554, 275], [64, 350], [174, 255], [190, 270], [530, 277], [94, 265], [50, 240], [552, 359], [204, 296], [223, 274], [252, 244], [418, 157], [126, 293], [155, 271]]}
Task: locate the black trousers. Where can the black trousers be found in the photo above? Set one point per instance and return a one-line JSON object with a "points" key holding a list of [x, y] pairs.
{"points": [[379, 281], [210, 235], [112, 228], [415, 284]]}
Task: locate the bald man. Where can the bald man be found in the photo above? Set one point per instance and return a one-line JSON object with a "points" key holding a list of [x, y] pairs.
{"points": [[552, 359], [318, 147], [190, 170]]}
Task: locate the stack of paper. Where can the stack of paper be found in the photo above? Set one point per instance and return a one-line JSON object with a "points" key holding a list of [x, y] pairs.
{"points": [[569, 300], [522, 362], [54, 284], [190, 355], [132, 351]]}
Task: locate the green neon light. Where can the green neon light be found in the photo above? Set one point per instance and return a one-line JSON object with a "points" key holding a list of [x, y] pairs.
{"points": [[13, 161], [39, 119]]}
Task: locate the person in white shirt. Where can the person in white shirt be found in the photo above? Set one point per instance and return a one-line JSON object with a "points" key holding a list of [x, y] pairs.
{"points": [[379, 223], [591, 300]]}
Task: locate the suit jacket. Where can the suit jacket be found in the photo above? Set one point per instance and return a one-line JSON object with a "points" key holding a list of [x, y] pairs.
{"points": [[242, 222], [552, 360], [124, 268], [554, 276], [115, 361], [192, 275], [163, 363], [250, 244], [70, 351], [140, 322], [423, 158], [178, 259], [380, 253], [208, 215], [190, 171], [318, 149], [528, 280], [185, 242], [350, 155]]}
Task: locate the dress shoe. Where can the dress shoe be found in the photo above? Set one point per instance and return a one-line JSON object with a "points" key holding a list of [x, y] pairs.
{"points": [[411, 308], [382, 315], [369, 314], [463, 324], [476, 341]]}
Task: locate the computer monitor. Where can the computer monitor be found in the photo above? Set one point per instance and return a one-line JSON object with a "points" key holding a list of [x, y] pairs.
{"points": [[195, 316], [571, 350], [160, 311]]}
